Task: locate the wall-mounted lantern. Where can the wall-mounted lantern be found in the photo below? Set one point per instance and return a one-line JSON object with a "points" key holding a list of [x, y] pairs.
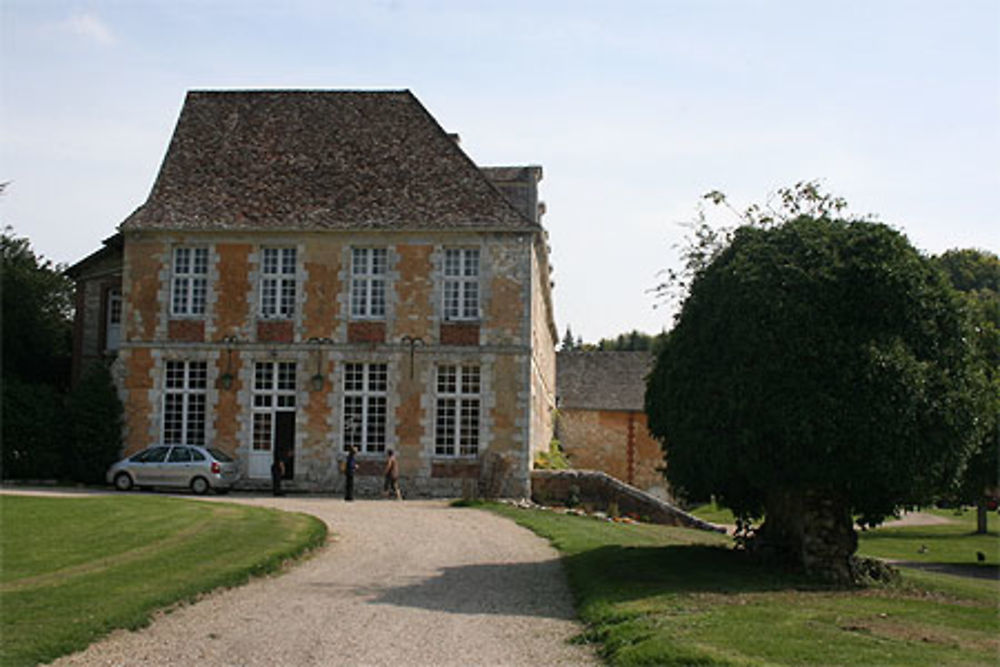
{"points": [[227, 378], [318, 380]]}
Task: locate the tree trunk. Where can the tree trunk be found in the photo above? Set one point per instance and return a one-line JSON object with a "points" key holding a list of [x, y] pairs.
{"points": [[981, 513], [810, 531]]}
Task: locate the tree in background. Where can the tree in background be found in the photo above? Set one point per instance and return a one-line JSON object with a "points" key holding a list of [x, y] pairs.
{"points": [[36, 334], [818, 370], [633, 341], [976, 273], [568, 343], [37, 314]]}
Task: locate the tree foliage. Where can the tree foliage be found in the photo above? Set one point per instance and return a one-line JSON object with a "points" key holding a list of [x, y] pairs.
{"points": [[36, 334], [37, 314], [976, 273], [94, 414], [705, 241], [568, 342], [818, 369], [33, 431], [633, 341]]}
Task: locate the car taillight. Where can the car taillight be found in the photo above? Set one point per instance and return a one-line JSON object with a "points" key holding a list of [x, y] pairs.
{"points": [[216, 468]]}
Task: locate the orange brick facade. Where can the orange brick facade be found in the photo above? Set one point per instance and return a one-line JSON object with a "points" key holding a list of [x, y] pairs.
{"points": [[320, 341], [616, 442]]}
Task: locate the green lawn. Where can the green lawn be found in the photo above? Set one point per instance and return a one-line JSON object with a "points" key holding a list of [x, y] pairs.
{"points": [[73, 569], [655, 595], [714, 514], [953, 543]]}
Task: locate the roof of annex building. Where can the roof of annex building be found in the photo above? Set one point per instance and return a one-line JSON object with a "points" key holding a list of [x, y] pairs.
{"points": [[602, 380]]}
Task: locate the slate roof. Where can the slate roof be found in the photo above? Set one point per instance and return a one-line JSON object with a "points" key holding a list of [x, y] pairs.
{"points": [[602, 380], [105, 260], [314, 160]]}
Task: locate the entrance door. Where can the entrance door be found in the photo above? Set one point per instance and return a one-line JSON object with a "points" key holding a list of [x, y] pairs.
{"points": [[284, 441], [273, 417]]}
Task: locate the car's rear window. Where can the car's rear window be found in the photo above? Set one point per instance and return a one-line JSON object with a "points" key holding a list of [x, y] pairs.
{"points": [[198, 456], [220, 455]]}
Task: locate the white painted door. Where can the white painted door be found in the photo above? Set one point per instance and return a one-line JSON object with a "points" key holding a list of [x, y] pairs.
{"points": [[273, 392]]}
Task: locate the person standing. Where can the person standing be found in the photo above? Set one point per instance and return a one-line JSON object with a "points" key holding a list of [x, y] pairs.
{"points": [[349, 467], [392, 476], [277, 472]]}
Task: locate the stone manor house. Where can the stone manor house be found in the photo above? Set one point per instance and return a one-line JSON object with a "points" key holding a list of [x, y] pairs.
{"points": [[319, 269]]}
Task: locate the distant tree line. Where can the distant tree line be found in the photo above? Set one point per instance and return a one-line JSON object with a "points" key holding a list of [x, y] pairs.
{"points": [[49, 430], [632, 341]]}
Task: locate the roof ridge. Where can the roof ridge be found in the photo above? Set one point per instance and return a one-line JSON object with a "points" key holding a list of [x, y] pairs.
{"points": [[338, 91]]}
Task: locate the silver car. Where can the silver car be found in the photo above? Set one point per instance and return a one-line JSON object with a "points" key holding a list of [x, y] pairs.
{"points": [[185, 466]]}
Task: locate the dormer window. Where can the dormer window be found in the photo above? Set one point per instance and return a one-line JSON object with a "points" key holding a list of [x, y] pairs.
{"points": [[277, 283], [461, 284], [190, 280]]}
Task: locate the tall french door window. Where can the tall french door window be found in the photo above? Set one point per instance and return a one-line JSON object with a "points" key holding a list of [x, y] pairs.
{"points": [[184, 387], [365, 406], [456, 428], [273, 391]]}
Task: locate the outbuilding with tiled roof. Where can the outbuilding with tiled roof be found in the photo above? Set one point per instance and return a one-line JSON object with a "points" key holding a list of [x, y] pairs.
{"points": [[602, 422]]}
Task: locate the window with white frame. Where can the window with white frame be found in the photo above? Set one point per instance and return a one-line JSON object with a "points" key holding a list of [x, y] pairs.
{"points": [[277, 283], [190, 280], [461, 284], [456, 431], [368, 268], [273, 391], [113, 330], [184, 387], [365, 406]]}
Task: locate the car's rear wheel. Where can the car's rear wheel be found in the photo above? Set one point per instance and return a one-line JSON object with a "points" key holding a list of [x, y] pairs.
{"points": [[199, 485], [123, 481]]}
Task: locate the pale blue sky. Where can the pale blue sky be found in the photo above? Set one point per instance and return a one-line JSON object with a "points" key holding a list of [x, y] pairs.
{"points": [[634, 110]]}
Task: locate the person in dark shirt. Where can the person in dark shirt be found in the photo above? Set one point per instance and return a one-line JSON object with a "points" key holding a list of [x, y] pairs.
{"points": [[349, 467]]}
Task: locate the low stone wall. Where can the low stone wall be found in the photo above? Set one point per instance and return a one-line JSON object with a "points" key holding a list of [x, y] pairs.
{"points": [[599, 490]]}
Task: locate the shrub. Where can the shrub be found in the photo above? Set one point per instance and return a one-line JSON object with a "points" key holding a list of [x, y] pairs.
{"points": [[33, 431], [95, 418]]}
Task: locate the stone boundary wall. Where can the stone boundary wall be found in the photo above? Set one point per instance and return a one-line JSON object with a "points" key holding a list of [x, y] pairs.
{"points": [[599, 489]]}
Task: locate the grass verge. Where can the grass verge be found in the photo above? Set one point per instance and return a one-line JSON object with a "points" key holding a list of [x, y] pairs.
{"points": [[656, 595], [73, 569], [954, 543], [714, 514]]}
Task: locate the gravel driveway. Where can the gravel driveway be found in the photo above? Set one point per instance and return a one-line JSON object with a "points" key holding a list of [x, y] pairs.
{"points": [[401, 583]]}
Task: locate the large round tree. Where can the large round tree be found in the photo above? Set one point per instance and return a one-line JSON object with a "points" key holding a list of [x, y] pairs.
{"points": [[818, 371]]}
